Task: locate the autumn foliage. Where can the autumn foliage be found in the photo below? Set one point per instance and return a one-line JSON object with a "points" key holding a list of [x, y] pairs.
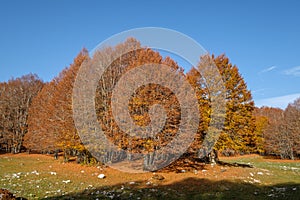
{"points": [[16, 97], [39, 115], [140, 102], [280, 130], [51, 125]]}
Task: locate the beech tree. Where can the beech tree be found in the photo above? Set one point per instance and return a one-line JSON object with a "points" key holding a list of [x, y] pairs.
{"points": [[272, 130], [238, 133], [51, 119], [280, 130], [261, 124], [61, 113], [291, 136], [139, 104], [40, 136], [196, 80], [16, 97], [239, 127]]}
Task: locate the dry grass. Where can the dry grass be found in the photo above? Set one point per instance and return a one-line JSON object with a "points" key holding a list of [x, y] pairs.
{"points": [[40, 176]]}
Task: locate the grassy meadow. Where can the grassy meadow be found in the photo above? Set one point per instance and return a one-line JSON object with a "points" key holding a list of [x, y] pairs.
{"points": [[41, 177]]}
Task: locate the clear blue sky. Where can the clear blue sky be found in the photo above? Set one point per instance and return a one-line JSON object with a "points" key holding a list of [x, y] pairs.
{"points": [[261, 37]]}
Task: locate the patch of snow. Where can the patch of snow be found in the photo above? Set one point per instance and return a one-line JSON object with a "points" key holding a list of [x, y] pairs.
{"points": [[256, 181], [66, 181], [35, 172], [101, 176], [15, 176], [148, 183]]}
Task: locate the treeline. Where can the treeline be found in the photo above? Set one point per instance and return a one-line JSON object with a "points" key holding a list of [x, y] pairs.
{"points": [[280, 130], [38, 116]]}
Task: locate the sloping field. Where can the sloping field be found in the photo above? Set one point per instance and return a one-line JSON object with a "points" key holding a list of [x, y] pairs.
{"points": [[42, 177]]}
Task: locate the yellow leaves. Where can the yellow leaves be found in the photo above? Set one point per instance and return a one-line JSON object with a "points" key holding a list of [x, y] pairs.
{"points": [[57, 117], [239, 126]]}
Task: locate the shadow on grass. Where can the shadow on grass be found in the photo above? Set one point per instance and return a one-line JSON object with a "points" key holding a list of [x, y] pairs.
{"points": [[190, 188]]}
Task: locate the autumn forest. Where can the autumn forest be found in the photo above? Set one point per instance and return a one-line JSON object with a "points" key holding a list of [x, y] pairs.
{"points": [[37, 116]]}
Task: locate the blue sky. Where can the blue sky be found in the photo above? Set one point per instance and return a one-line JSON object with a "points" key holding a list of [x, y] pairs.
{"points": [[261, 37]]}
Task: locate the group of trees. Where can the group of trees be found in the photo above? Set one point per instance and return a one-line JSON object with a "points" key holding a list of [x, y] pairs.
{"points": [[39, 115], [238, 134], [280, 130], [15, 98], [140, 102]]}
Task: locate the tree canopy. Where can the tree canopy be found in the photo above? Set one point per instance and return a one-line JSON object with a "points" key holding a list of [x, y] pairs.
{"points": [[39, 115]]}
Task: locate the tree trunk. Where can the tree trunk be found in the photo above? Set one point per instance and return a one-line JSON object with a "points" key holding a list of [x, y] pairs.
{"points": [[66, 156], [208, 157]]}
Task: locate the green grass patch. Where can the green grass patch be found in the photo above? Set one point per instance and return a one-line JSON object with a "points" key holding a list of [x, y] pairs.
{"points": [[42, 177]]}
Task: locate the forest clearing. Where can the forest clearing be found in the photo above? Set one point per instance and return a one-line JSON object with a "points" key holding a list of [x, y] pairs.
{"points": [[149, 100], [35, 176], [177, 149]]}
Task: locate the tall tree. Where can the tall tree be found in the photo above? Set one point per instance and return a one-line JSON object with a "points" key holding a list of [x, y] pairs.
{"points": [[40, 136], [238, 132], [61, 106], [51, 118], [197, 81], [272, 130], [261, 124], [140, 103], [16, 97], [239, 123], [292, 129]]}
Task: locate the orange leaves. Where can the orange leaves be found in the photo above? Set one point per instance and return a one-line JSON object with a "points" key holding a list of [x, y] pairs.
{"points": [[50, 121], [280, 130], [140, 102], [52, 124], [16, 97]]}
